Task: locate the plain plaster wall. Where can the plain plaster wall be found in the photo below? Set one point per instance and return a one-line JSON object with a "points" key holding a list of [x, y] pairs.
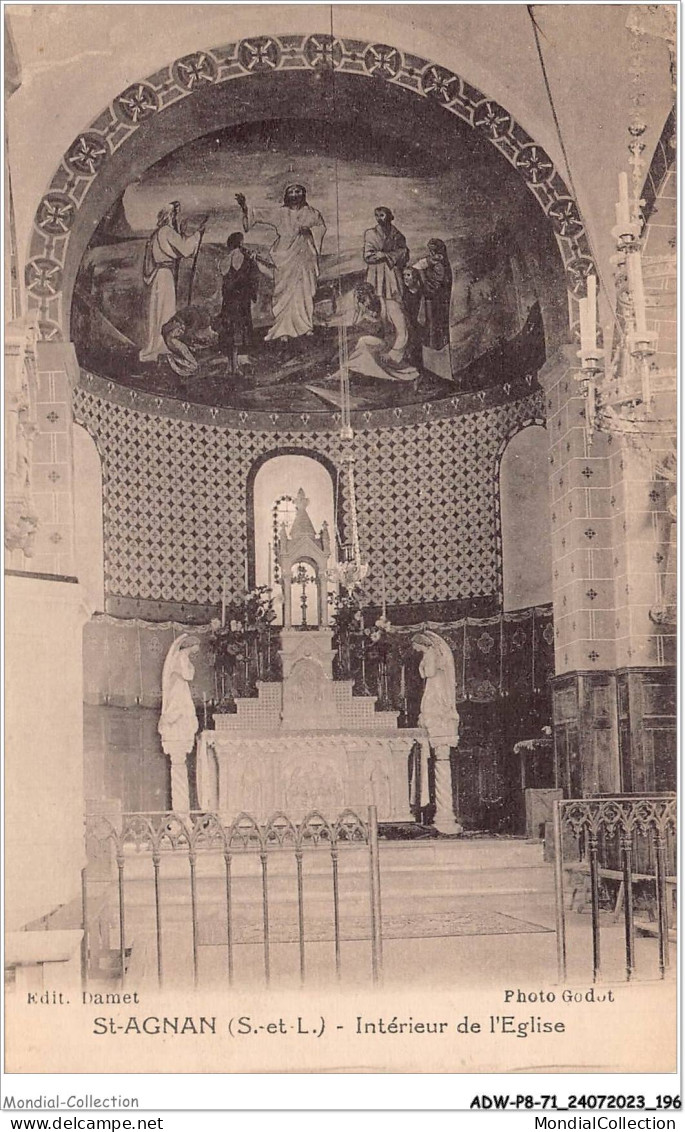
{"points": [[525, 517], [44, 845]]}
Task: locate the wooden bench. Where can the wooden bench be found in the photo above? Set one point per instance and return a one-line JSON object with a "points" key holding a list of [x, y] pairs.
{"points": [[581, 871]]}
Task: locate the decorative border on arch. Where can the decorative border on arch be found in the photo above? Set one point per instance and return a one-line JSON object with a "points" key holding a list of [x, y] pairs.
{"points": [[86, 158], [157, 405]]}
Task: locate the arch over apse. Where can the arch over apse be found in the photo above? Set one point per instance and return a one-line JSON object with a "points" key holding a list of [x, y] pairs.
{"points": [[197, 93]]}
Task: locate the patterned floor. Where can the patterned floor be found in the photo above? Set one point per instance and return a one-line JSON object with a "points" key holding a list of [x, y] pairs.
{"points": [[427, 925]]}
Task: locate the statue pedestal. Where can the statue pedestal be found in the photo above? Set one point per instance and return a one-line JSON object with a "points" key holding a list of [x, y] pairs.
{"points": [[177, 750], [445, 820]]}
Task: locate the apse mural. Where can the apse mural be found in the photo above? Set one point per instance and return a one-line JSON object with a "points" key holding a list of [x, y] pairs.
{"points": [[248, 266]]}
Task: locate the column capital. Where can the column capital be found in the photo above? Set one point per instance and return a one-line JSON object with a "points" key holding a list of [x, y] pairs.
{"points": [[565, 359]]}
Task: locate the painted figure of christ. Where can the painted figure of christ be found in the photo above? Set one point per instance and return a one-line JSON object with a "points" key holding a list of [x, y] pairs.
{"points": [[299, 231]]}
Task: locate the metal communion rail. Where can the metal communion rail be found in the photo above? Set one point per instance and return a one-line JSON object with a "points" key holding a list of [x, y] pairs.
{"points": [[623, 843], [162, 836]]}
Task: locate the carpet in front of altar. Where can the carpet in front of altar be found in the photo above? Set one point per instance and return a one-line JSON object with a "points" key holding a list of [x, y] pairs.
{"points": [[427, 925]]}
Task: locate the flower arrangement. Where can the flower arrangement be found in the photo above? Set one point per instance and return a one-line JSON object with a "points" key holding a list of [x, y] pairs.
{"points": [[358, 643], [347, 615], [243, 634]]}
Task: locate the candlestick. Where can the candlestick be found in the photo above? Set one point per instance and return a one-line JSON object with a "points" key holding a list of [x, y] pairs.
{"points": [[269, 568], [592, 310], [608, 349], [646, 383], [585, 339], [402, 682], [383, 602], [247, 586], [623, 206], [223, 601], [364, 690], [590, 402], [637, 293], [204, 708]]}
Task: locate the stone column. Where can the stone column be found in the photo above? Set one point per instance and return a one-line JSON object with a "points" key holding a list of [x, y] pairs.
{"points": [[46, 610], [609, 512], [44, 842], [583, 557], [445, 820], [287, 598]]}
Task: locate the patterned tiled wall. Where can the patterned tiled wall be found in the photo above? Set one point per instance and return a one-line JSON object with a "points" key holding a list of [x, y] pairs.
{"points": [[175, 500]]}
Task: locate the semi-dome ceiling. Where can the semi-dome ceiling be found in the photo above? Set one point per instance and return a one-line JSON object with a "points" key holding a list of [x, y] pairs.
{"points": [[471, 179]]}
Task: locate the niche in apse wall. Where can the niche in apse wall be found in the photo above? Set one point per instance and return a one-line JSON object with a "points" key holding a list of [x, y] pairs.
{"points": [[274, 491], [526, 522]]}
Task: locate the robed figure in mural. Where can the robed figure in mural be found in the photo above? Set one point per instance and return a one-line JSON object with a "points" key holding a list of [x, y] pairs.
{"points": [[299, 231], [167, 246], [384, 352], [239, 290], [188, 329], [436, 289], [386, 253], [178, 722]]}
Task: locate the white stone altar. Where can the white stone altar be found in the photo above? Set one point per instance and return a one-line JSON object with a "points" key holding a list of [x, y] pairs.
{"points": [[306, 743]]}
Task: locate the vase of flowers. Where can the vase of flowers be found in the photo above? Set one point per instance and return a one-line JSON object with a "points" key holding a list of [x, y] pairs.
{"points": [[346, 622], [377, 647], [241, 644]]}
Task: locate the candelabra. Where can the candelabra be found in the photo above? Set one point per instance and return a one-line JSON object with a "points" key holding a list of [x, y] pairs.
{"points": [[352, 571], [616, 379]]}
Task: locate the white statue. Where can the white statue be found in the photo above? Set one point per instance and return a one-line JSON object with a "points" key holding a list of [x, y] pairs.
{"points": [[440, 718], [438, 707], [178, 722]]}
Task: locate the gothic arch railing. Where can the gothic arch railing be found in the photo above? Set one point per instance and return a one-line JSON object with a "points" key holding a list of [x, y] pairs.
{"points": [[624, 839], [86, 160], [115, 843]]}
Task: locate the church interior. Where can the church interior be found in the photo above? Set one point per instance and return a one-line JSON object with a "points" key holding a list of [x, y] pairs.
{"points": [[358, 479]]}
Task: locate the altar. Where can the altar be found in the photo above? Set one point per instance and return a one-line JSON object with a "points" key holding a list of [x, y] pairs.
{"points": [[258, 762], [306, 742]]}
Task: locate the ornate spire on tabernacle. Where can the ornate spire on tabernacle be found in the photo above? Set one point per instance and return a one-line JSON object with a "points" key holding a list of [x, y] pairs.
{"points": [[302, 525]]}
